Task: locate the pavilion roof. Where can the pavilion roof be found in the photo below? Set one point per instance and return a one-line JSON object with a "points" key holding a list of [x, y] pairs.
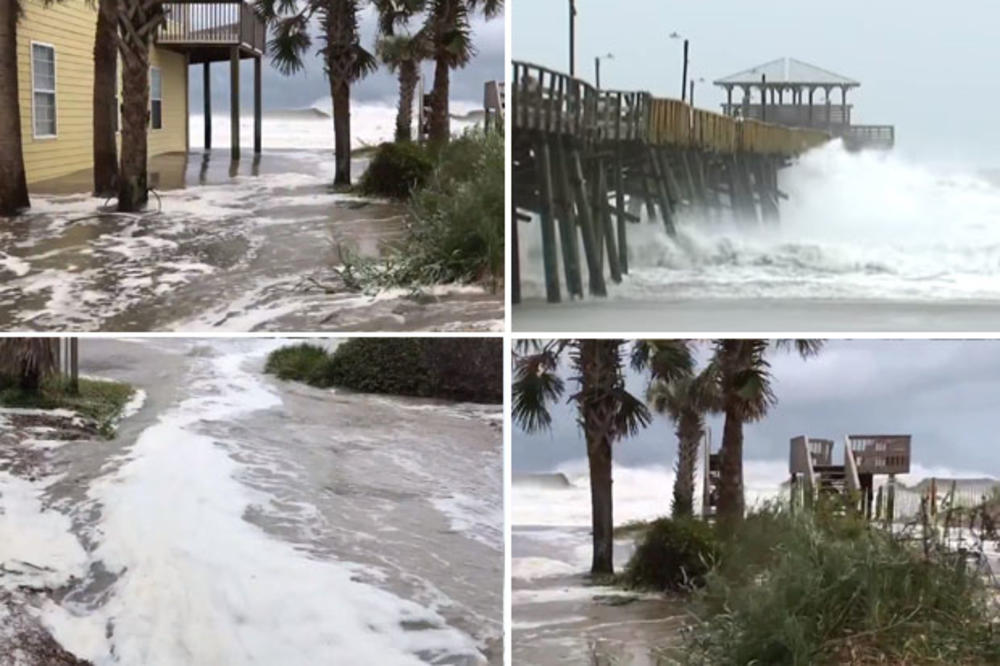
{"points": [[787, 71]]}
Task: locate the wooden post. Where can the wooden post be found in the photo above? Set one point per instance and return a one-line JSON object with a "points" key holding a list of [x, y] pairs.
{"points": [[595, 276], [257, 105], [658, 179], [234, 101], [933, 498], [763, 98], [620, 205], [567, 220], [811, 91], [604, 215], [74, 366], [543, 164], [890, 501], [208, 106], [515, 262]]}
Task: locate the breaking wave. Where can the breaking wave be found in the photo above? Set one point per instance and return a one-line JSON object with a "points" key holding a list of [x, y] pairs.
{"points": [[855, 226]]}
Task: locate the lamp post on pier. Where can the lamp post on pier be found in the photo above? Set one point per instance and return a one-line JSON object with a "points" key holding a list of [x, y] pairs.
{"points": [[597, 68], [572, 38], [684, 73]]}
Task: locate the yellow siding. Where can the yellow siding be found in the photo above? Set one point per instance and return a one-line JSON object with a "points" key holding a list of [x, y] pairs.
{"points": [[69, 27], [173, 136]]}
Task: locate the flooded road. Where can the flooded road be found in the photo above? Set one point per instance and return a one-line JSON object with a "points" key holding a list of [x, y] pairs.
{"points": [[236, 519], [246, 246]]}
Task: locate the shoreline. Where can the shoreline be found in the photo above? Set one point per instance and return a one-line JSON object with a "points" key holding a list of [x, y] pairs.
{"points": [[759, 314]]}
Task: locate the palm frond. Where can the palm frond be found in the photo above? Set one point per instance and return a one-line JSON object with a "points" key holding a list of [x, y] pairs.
{"points": [[632, 415], [290, 42], [535, 386]]}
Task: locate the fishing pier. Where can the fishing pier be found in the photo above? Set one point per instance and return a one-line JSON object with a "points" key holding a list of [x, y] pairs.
{"points": [[587, 162]]}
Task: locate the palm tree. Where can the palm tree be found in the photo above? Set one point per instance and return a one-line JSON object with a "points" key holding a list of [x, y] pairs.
{"points": [[28, 360], [13, 183], [450, 34], [606, 411], [404, 53], [345, 60], [737, 383], [138, 21], [681, 400], [105, 90]]}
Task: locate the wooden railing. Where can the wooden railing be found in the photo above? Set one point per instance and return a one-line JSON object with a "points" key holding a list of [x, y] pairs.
{"points": [[549, 101], [881, 454], [879, 137], [231, 22]]}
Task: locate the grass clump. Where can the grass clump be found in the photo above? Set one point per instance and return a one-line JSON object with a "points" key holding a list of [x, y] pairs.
{"points": [[100, 400], [396, 170], [456, 227], [816, 589], [672, 555], [468, 369]]}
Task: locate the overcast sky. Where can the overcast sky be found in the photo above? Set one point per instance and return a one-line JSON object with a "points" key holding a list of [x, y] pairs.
{"points": [[303, 89], [945, 393], [927, 67]]}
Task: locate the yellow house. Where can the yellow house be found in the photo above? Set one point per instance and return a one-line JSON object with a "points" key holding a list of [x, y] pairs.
{"points": [[55, 47]]}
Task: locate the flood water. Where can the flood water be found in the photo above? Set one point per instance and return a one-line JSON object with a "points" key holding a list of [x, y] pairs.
{"points": [[242, 246], [240, 520]]}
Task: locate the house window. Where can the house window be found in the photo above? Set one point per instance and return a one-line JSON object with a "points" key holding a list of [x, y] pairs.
{"points": [[43, 87], [156, 98]]}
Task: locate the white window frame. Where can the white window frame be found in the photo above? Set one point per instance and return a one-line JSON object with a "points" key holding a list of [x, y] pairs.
{"points": [[53, 92], [159, 71]]}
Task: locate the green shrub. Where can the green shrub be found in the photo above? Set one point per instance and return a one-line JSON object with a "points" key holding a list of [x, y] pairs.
{"points": [[672, 555], [299, 362], [396, 170], [468, 369], [801, 589], [456, 230]]}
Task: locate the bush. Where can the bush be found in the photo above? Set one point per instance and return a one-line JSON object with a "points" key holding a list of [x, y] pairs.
{"points": [[672, 555], [396, 170], [298, 362], [468, 369], [797, 589], [456, 232]]}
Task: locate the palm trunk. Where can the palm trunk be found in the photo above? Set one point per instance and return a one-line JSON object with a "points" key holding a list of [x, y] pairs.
{"points": [[105, 84], [341, 93], [688, 438], [31, 379], [440, 130], [407, 90], [13, 182], [601, 502], [730, 506], [599, 367], [132, 184]]}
